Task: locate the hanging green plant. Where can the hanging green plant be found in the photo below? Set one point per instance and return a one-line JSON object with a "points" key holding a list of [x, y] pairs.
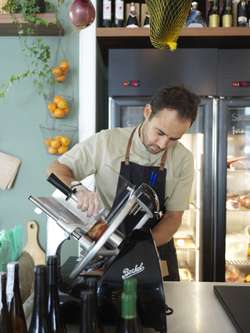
{"points": [[34, 48]]}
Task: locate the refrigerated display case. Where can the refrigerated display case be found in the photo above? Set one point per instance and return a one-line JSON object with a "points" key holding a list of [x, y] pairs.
{"points": [[234, 189]]}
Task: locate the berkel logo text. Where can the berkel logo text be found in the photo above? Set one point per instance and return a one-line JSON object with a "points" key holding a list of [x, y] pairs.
{"points": [[128, 272]]}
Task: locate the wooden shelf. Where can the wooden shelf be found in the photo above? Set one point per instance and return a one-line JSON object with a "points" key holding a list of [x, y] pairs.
{"points": [[235, 37], [186, 32], [10, 28]]}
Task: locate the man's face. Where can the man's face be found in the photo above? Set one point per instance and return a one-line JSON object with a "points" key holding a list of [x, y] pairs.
{"points": [[162, 130]]}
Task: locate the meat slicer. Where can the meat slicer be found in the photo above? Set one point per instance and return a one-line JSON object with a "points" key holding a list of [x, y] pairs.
{"points": [[115, 256]]}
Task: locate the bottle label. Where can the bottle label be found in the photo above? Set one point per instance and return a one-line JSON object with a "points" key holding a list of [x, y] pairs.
{"points": [[119, 9], [214, 21], [227, 20], [10, 282], [107, 10], [242, 19]]}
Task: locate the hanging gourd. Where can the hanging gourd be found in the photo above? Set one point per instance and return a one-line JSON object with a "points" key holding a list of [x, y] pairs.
{"points": [[167, 18]]}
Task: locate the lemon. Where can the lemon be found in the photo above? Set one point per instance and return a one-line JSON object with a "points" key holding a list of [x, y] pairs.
{"points": [[52, 150], [62, 104], [62, 149], [65, 141], [59, 113], [55, 143]]}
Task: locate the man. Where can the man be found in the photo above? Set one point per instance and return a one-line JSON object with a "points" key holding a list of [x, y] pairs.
{"points": [[149, 153]]}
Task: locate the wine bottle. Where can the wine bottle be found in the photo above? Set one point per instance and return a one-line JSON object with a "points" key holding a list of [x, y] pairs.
{"points": [[213, 15], [227, 14], [146, 23], [119, 13], [55, 317], [14, 300], [194, 18], [107, 13], [132, 21], [88, 324], [39, 319], [92, 286], [242, 14], [5, 324], [128, 322]]}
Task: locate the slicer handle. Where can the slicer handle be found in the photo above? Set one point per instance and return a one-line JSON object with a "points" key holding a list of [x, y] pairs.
{"points": [[54, 180]]}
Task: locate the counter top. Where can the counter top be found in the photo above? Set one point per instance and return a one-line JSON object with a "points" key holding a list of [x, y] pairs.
{"points": [[196, 309]]}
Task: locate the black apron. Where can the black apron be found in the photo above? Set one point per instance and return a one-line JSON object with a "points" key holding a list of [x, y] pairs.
{"points": [[155, 177]]}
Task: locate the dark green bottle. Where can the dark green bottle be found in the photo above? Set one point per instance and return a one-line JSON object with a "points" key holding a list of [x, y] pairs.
{"points": [[88, 317], [55, 318], [5, 324], [17, 318], [129, 322], [39, 319]]}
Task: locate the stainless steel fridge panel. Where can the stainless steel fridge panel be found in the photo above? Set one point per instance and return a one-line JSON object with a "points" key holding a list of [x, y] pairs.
{"points": [[234, 73], [141, 72]]}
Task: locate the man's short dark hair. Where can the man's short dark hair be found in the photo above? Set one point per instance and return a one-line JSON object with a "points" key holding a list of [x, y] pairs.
{"points": [[176, 98]]}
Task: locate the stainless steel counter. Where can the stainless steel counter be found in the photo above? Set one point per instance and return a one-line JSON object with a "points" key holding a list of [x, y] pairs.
{"points": [[196, 309]]}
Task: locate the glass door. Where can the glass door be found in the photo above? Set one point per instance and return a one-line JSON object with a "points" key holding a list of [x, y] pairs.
{"points": [[188, 239], [236, 204], [126, 111]]}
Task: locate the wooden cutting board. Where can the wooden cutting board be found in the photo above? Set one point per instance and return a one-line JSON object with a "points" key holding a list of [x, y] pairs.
{"points": [[32, 255], [33, 246]]}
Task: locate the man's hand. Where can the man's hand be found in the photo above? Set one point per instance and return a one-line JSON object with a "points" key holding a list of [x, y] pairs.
{"points": [[87, 200]]}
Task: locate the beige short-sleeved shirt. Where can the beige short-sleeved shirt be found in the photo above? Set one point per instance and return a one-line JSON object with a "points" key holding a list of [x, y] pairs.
{"points": [[102, 153]]}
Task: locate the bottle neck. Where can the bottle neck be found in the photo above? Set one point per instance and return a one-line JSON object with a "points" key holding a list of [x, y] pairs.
{"points": [[87, 312], [128, 306], [3, 283], [52, 272], [40, 297], [12, 281]]}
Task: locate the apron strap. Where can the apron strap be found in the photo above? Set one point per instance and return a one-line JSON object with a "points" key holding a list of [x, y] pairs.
{"points": [[163, 158], [129, 146]]}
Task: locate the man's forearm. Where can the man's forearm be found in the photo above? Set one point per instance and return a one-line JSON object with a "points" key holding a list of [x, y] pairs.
{"points": [[62, 172], [167, 227]]}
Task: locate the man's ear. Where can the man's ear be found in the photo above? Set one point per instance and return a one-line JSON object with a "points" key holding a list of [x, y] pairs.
{"points": [[147, 111]]}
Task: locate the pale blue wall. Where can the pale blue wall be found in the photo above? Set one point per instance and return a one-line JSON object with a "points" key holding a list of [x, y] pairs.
{"points": [[21, 113]]}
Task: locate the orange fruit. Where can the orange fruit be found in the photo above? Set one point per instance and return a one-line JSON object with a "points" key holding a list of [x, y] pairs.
{"points": [[57, 99], [60, 78], [66, 110], [55, 144], [65, 141], [62, 104], [52, 106], [62, 149], [47, 141], [52, 150], [59, 113], [57, 71], [64, 65]]}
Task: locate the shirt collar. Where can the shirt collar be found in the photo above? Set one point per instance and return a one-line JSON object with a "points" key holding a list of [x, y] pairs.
{"points": [[139, 148]]}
